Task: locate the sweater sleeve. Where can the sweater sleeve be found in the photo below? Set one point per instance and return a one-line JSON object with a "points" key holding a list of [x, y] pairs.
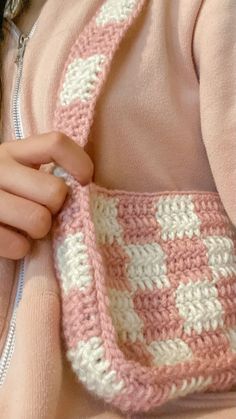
{"points": [[214, 49]]}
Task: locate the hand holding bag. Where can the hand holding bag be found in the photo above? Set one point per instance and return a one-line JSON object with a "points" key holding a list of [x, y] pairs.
{"points": [[148, 280]]}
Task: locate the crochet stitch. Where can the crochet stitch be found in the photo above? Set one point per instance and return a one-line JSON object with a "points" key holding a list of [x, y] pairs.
{"points": [[148, 280]]}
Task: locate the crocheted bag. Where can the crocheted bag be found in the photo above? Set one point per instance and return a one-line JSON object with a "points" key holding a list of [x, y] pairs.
{"points": [[148, 280]]}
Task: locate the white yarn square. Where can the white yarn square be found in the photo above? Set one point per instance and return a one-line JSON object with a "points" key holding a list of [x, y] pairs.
{"points": [[177, 217], [88, 360], [199, 306], [147, 268], [115, 11], [73, 263], [126, 321], [105, 219], [81, 79], [170, 351], [221, 256]]}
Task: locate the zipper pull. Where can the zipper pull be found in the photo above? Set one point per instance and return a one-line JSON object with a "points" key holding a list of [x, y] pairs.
{"points": [[23, 39]]}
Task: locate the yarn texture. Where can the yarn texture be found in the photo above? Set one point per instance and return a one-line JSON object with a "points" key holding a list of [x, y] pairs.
{"points": [[148, 280]]}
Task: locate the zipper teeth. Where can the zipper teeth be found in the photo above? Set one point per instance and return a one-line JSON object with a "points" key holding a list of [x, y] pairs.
{"points": [[16, 111], [10, 341], [17, 123], [8, 350], [9, 346]]}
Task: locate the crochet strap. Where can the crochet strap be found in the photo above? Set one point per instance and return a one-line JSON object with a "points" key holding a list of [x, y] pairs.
{"points": [[88, 65]]}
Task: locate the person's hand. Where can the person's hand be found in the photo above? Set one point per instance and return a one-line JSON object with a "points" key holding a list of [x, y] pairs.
{"points": [[29, 197]]}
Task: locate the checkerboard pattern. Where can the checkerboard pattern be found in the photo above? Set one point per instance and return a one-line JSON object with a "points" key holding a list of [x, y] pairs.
{"points": [[165, 324], [148, 281]]}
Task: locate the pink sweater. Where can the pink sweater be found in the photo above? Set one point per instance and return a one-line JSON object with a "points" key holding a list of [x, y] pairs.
{"points": [[162, 109]]}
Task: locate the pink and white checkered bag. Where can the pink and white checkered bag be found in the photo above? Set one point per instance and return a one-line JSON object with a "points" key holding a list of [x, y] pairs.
{"points": [[148, 280]]}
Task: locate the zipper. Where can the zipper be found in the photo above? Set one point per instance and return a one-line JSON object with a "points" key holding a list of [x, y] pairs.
{"points": [[9, 346], [10, 340], [16, 109]]}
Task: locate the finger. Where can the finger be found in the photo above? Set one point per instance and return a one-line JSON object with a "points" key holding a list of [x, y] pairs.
{"points": [[31, 184], [12, 244], [53, 147], [24, 215]]}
